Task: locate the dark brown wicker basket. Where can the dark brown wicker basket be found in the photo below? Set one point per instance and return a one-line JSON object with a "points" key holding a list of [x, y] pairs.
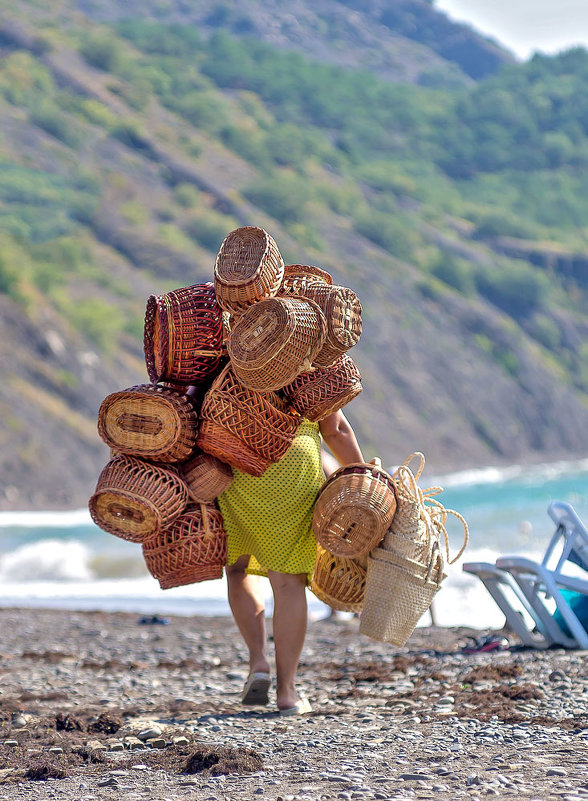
{"points": [[248, 268], [134, 499], [275, 340], [193, 548], [342, 311], [325, 390], [183, 336], [206, 477], [150, 421], [243, 428]]}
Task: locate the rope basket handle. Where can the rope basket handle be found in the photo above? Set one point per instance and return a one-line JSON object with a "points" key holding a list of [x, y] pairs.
{"points": [[374, 468]]}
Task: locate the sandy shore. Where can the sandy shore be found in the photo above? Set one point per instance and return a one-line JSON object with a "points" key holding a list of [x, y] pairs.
{"points": [[102, 706]]}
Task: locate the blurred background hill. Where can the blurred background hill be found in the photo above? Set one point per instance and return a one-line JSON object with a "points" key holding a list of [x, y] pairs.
{"points": [[415, 159]]}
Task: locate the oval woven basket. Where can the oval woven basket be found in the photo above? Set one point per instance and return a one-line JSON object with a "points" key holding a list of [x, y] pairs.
{"points": [[325, 390], [354, 509], [338, 582], [275, 340], [192, 549], [298, 276], [150, 421], [183, 335], [248, 268], [206, 477], [134, 499], [342, 311], [243, 428], [396, 597]]}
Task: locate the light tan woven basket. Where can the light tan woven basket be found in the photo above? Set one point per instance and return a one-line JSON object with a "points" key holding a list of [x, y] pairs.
{"points": [[339, 582], [150, 421], [275, 340], [206, 477], [325, 390], [243, 428], [396, 597], [342, 311], [193, 548], [248, 268], [354, 509], [298, 276], [134, 499]]}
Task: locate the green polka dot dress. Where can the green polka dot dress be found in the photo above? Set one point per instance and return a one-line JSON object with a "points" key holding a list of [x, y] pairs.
{"points": [[270, 516]]}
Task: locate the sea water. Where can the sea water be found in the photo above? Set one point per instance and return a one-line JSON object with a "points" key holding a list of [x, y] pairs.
{"points": [[62, 560]]}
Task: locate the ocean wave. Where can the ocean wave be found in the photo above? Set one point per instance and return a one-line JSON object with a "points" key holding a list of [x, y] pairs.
{"points": [[500, 475], [65, 519]]}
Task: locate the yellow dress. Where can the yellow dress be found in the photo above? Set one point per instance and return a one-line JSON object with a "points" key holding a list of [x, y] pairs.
{"points": [[270, 516]]}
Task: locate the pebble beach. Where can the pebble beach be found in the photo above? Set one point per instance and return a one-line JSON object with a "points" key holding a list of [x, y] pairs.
{"points": [[98, 705]]}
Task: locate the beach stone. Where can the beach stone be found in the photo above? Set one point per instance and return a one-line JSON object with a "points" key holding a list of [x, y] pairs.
{"points": [[556, 772], [95, 745], [151, 733], [11, 743]]}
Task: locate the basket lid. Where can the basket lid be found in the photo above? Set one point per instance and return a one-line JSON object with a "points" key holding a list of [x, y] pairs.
{"points": [[243, 254]]}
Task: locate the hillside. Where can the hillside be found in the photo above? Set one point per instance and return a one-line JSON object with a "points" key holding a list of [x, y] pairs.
{"points": [[130, 148]]}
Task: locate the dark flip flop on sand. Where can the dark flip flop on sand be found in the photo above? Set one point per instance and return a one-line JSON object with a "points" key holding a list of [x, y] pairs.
{"points": [[255, 691]]}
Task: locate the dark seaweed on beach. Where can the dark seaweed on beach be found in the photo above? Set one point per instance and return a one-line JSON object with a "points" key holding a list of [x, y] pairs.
{"points": [[213, 760]]}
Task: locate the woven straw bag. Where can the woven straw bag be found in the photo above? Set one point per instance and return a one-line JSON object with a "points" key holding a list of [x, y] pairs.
{"points": [[206, 477], [243, 428], [193, 548], [325, 390], [354, 509], [275, 340], [150, 421], [397, 595], [298, 276], [342, 311], [339, 582], [183, 335], [248, 268], [135, 500]]}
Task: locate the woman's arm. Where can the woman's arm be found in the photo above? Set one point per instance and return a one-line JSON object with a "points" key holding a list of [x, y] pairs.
{"points": [[340, 438]]}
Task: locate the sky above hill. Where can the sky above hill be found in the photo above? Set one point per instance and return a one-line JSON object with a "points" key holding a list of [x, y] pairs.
{"points": [[525, 26]]}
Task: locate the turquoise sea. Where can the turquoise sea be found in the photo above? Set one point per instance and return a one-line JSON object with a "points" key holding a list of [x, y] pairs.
{"points": [[62, 560]]}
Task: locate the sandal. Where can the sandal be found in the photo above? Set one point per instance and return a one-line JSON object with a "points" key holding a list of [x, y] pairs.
{"points": [[255, 691], [493, 642], [301, 707]]}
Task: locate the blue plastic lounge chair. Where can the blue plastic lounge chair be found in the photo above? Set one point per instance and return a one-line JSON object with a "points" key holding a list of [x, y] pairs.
{"points": [[528, 592]]}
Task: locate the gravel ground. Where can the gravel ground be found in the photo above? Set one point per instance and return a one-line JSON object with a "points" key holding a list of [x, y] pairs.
{"points": [[101, 706]]}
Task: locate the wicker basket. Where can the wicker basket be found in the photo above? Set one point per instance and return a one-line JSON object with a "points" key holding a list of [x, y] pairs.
{"points": [[276, 340], [298, 276], [355, 507], [193, 548], [248, 268], [135, 500], [206, 477], [325, 390], [243, 428], [342, 311], [183, 335], [396, 596], [149, 421], [339, 582]]}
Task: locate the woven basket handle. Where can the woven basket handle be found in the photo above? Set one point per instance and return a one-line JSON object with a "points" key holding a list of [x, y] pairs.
{"points": [[205, 521]]}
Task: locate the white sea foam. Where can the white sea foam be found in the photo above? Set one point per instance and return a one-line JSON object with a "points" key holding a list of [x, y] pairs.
{"points": [[499, 475], [67, 519]]}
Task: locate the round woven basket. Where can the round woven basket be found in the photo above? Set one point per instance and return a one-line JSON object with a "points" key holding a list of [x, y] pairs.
{"points": [[183, 335], [275, 340], [243, 428], [248, 268], [206, 477], [325, 390], [354, 509], [342, 311], [338, 582], [395, 599], [150, 421], [193, 548], [298, 276], [134, 499]]}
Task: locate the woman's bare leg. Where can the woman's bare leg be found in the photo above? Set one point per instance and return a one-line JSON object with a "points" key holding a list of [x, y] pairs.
{"points": [[248, 608], [289, 627]]}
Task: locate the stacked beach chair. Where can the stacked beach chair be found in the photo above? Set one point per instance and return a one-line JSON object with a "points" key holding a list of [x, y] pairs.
{"points": [[233, 365]]}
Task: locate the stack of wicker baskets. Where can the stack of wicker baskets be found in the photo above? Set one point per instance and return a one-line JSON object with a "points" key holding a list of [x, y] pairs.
{"points": [[233, 365]]}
